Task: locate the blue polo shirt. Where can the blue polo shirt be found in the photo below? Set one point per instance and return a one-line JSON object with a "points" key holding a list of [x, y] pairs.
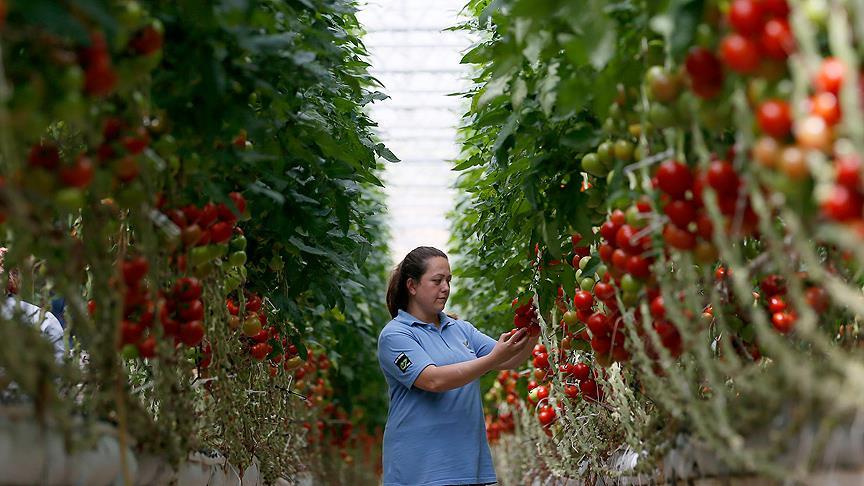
{"points": [[433, 439]]}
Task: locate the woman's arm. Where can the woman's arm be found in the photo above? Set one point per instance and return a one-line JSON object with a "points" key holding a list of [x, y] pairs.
{"points": [[443, 378]]}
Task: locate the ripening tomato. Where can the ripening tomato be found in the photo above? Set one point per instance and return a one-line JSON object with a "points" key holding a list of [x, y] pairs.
{"points": [[740, 53], [766, 151], [830, 75], [678, 238], [826, 106], [79, 174], [814, 133]]}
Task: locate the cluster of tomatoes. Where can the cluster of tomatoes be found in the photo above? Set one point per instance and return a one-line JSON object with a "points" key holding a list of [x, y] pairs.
{"points": [[138, 310], [182, 313], [501, 423], [526, 317], [100, 76]]}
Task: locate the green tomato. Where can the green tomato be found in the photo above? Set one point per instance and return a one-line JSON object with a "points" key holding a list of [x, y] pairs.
{"points": [[129, 351], [587, 284], [624, 150], [638, 153], [199, 255], [203, 270], [605, 153], [630, 298], [661, 116], [601, 270], [232, 282], [655, 53], [238, 243], [69, 199], [629, 284], [237, 259], [583, 262], [591, 164], [635, 218], [705, 35]]}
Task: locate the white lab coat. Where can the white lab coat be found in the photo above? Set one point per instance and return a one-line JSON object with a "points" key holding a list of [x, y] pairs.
{"points": [[48, 324]]}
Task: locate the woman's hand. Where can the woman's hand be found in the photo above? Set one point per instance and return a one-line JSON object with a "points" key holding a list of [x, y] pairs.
{"points": [[510, 344]]}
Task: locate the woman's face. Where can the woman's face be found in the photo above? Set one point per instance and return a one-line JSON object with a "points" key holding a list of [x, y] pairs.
{"points": [[433, 289]]}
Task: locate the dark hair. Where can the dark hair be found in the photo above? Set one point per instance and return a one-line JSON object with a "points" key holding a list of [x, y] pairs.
{"points": [[412, 266]]}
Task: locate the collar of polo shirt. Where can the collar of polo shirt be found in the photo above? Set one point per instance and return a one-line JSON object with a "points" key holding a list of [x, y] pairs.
{"points": [[405, 318]]}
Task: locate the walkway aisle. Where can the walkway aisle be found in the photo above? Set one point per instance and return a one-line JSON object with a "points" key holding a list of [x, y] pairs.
{"points": [[419, 66]]}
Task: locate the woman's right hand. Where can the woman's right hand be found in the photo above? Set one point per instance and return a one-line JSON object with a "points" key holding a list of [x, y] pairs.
{"points": [[509, 345]]}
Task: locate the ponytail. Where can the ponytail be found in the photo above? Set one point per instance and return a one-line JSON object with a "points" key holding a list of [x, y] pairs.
{"points": [[413, 266]]}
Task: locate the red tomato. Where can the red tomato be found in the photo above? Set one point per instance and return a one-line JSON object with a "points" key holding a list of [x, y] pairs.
{"points": [[678, 238], [130, 332], [187, 288], [775, 118], [776, 304], [147, 347], [239, 201], [681, 213], [619, 259], [604, 291], [605, 251], [722, 177], [775, 8], [191, 333], [740, 53], [848, 171], [134, 270], [783, 322], [580, 371], [253, 304], [44, 155], [127, 169], [589, 389], [745, 16], [639, 267], [674, 178], [704, 226], [260, 351], [608, 230], [624, 239], [146, 41], [817, 298], [220, 232], [208, 215], [777, 40], [583, 300], [703, 65], [657, 308], [79, 174], [843, 204], [192, 310]]}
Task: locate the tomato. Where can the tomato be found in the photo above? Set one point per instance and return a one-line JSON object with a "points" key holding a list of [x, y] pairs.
{"points": [[253, 304], [134, 269], [814, 133], [591, 164], [772, 285], [100, 79], [783, 322], [830, 76], [192, 310], [583, 300], [239, 201], [604, 291], [589, 389], [191, 235], [681, 213], [207, 215], [826, 106], [775, 118], [45, 155], [541, 361], [580, 371], [619, 259], [663, 86], [624, 150], [130, 332], [79, 174], [233, 308], [262, 336], [817, 298], [766, 151], [777, 40], [187, 288], [606, 153], [843, 204], [147, 348], [260, 351], [740, 53], [746, 16], [220, 232], [775, 8], [848, 170], [722, 177], [570, 318], [678, 238], [776, 304], [618, 218], [134, 145], [127, 169], [674, 178], [146, 41], [793, 163], [605, 252], [657, 308], [639, 266], [609, 230], [624, 239], [546, 416], [703, 65]]}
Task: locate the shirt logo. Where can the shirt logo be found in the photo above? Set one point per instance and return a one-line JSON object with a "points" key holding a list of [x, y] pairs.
{"points": [[402, 362]]}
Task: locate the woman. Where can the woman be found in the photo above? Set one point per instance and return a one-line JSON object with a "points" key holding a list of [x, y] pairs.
{"points": [[436, 433]]}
